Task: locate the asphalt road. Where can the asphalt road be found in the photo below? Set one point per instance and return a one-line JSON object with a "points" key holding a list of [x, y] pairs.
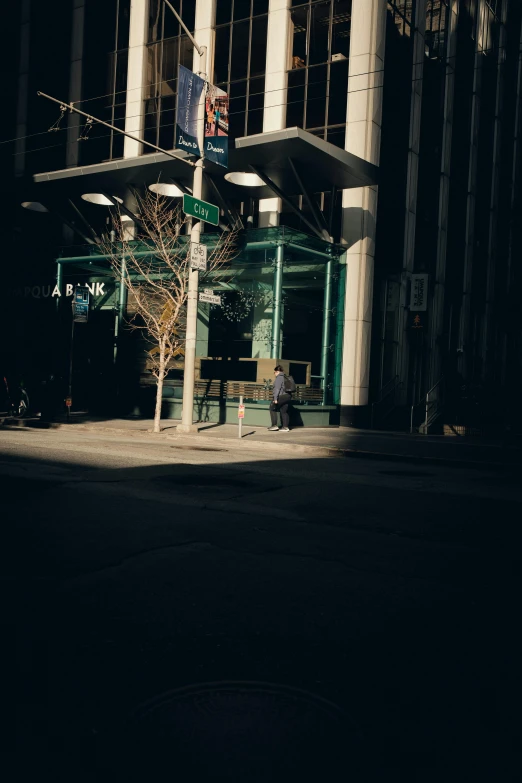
{"points": [[188, 610]]}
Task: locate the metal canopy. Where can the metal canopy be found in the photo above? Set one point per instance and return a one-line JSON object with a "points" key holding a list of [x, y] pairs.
{"points": [[322, 166]]}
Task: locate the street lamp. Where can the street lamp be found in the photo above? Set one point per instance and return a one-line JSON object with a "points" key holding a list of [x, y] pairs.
{"points": [[166, 189], [197, 187], [195, 233], [245, 179], [34, 206], [100, 200]]}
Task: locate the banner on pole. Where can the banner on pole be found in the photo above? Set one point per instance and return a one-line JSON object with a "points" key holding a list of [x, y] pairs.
{"points": [[190, 87], [216, 126]]}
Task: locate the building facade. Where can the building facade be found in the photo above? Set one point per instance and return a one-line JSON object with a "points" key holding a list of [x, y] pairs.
{"points": [[406, 292]]}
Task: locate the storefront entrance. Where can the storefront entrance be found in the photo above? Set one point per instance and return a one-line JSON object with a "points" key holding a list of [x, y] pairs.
{"points": [[279, 300]]}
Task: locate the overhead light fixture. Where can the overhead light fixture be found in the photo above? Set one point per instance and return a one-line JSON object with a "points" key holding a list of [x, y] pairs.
{"points": [[100, 199], [246, 179], [34, 206], [166, 189]]}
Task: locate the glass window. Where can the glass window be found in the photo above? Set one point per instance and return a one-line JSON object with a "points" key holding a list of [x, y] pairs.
{"points": [[319, 69], [240, 50], [258, 46], [240, 62], [222, 54], [169, 66], [300, 42], [319, 48], [223, 11], [241, 331], [155, 20], [241, 9], [296, 98], [163, 23], [337, 90], [122, 34], [167, 122], [255, 106], [403, 13], [163, 59], [436, 21], [316, 97], [341, 20], [238, 102], [259, 7]]}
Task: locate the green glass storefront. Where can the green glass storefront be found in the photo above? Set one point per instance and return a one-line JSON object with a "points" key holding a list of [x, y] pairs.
{"points": [[282, 299]]}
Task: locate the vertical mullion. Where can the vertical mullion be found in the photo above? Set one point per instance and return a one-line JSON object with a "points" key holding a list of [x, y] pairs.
{"points": [[307, 64], [114, 70], [247, 92], [158, 86], [328, 69], [229, 61]]}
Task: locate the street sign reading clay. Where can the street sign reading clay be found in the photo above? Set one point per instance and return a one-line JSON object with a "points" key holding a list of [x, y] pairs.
{"points": [[200, 209]]}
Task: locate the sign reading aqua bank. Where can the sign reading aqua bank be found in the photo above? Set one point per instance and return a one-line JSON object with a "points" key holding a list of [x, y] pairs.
{"points": [[200, 209]]}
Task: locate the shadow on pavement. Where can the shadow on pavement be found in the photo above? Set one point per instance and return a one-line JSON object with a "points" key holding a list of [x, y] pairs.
{"points": [[330, 633]]}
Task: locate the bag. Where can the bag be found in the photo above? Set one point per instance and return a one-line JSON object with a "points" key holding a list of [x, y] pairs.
{"points": [[289, 385]]}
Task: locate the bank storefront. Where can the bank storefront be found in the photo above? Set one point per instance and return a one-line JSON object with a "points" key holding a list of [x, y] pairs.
{"points": [[282, 296], [281, 301]]}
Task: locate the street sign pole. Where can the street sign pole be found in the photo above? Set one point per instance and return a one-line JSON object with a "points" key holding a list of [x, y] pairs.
{"points": [[187, 411], [68, 401]]}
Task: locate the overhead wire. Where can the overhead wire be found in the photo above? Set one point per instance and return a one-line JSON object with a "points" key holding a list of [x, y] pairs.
{"points": [[246, 95]]}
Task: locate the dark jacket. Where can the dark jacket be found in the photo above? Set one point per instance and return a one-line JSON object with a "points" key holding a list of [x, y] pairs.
{"points": [[279, 386]]}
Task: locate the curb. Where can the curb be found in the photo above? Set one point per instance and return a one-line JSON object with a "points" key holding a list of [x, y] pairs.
{"points": [[301, 448]]}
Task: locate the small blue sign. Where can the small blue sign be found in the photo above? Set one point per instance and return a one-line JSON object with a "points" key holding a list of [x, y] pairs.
{"points": [[81, 304], [80, 312]]}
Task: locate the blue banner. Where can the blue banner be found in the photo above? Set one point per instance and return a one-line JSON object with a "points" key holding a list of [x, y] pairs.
{"points": [[216, 126], [190, 87]]}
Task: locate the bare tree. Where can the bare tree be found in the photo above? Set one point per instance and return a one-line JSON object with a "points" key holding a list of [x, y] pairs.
{"points": [[154, 264]]}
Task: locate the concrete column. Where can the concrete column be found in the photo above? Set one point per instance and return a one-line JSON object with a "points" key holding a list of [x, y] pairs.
{"points": [[75, 121], [23, 76], [363, 138], [136, 77], [439, 282], [465, 347], [278, 57], [403, 352], [488, 336], [511, 370]]}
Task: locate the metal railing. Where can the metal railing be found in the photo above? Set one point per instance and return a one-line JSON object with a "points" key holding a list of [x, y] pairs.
{"points": [[428, 409], [232, 390], [386, 402]]}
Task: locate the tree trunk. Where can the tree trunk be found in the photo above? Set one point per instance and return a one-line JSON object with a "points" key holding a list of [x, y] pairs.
{"points": [[159, 390]]}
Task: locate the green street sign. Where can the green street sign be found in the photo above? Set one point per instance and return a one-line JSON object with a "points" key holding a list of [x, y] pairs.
{"points": [[200, 209]]}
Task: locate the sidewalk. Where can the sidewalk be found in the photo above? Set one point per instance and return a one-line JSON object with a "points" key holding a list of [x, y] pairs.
{"points": [[342, 441]]}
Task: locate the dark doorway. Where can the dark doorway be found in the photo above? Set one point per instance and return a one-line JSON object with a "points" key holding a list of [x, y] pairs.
{"points": [[303, 326]]}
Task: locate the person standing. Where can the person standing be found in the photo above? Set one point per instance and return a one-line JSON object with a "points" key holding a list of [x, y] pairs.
{"points": [[218, 117], [210, 118], [280, 401]]}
